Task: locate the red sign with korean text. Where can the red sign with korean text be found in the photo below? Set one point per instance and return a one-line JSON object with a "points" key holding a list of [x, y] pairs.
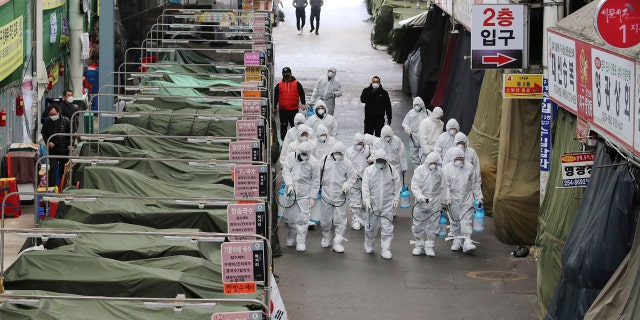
{"points": [[618, 22]]}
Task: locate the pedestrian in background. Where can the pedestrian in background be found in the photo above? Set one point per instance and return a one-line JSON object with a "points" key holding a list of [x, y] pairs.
{"points": [[57, 145], [301, 16], [316, 5], [327, 89], [287, 97], [377, 104]]}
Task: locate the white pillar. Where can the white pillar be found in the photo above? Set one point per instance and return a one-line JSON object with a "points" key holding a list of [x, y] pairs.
{"points": [[76, 65]]}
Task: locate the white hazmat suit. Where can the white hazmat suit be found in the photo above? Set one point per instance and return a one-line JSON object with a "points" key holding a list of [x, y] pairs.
{"points": [[445, 140], [301, 177], [429, 189], [360, 157], [460, 141], [336, 178], [324, 142], [292, 132], [327, 89], [321, 117], [303, 134], [463, 182], [411, 125], [381, 188], [393, 147], [430, 130]]}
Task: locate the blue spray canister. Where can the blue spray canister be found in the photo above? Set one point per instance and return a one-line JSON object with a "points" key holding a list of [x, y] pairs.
{"points": [[405, 197], [310, 111], [282, 200], [478, 219], [442, 225]]}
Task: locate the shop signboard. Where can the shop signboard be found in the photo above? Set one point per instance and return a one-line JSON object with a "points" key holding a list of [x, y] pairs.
{"points": [[499, 36], [576, 169]]}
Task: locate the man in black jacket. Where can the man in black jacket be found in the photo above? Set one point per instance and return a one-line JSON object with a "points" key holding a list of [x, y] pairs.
{"points": [[376, 104], [58, 145]]}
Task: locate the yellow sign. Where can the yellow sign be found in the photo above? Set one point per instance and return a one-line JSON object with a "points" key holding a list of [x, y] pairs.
{"points": [[55, 72], [50, 4], [240, 288], [522, 86], [11, 50], [253, 73]]}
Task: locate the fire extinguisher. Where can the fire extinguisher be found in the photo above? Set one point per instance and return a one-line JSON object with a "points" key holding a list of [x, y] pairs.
{"points": [[50, 84], [3, 118], [19, 105], [61, 68]]}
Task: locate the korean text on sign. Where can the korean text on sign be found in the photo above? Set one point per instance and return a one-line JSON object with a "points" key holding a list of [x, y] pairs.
{"points": [[576, 169]]}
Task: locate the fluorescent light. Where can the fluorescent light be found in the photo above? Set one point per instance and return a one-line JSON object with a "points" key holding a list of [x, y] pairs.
{"points": [[202, 203], [151, 75], [169, 50], [217, 118], [142, 88], [178, 306], [101, 138], [208, 140], [93, 162], [174, 41], [120, 115], [181, 25], [226, 76]]}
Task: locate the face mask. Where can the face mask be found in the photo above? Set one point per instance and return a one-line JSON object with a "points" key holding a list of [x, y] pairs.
{"points": [[460, 146], [322, 138], [338, 156], [358, 147], [54, 118], [417, 108], [303, 139], [375, 85], [453, 132], [303, 157], [330, 74], [458, 163], [380, 165], [321, 112], [69, 99], [432, 166], [387, 139]]}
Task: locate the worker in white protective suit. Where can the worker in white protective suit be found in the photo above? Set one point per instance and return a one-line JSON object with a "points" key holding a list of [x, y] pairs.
{"points": [[324, 142], [303, 134], [336, 178], [411, 125], [381, 195], [321, 116], [327, 89], [301, 177], [393, 147], [360, 157], [430, 130], [470, 156], [463, 182], [445, 140], [430, 191], [292, 132]]}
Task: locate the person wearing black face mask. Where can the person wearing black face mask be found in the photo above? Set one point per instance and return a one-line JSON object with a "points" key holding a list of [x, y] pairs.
{"points": [[377, 104], [57, 145], [288, 95]]}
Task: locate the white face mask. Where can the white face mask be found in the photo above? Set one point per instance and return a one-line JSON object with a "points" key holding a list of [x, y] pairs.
{"points": [[322, 138], [320, 112], [375, 85], [432, 166], [338, 156], [453, 132], [358, 147], [330, 74], [387, 139], [69, 99], [303, 139], [380, 165], [458, 163], [417, 108], [55, 118], [460, 146]]}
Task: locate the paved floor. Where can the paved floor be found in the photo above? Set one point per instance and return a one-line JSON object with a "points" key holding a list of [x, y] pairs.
{"points": [[321, 284]]}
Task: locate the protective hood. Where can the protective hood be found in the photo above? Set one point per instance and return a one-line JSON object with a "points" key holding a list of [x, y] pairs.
{"points": [[457, 153], [380, 154], [302, 129], [417, 101], [338, 147], [436, 113], [433, 157], [386, 132], [304, 147], [460, 137], [321, 129], [332, 69], [299, 118], [321, 103], [453, 124], [357, 138]]}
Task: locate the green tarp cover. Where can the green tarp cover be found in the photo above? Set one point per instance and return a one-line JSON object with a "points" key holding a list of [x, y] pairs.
{"points": [[517, 198], [388, 16], [557, 212], [193, 81], [129, 247], [137, 184], [189, 68], [56, 309], [180, 125], [169, 171], [170, 88], [403, 38], [485, 133], [190, 56], [170, 148], [231, 107], [148, 213], [65, 271]]}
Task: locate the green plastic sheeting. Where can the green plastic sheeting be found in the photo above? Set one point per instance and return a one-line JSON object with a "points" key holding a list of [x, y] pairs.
{"points": [[169, 171], [231, 107], [137, 184], [517, 198], [186, 80], [181, 125], [148, 213], [557, 212], [387, 17], [171, 148], [485, 133], [55, 309], [129, 247], [62, 270]]}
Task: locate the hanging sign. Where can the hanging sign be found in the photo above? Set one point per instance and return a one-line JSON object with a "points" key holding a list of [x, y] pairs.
{"points": [[246, 219], [242, 261], [498, 36], [11, 50], [618, 22], [250, 181], [576, 169], [522, 86]]}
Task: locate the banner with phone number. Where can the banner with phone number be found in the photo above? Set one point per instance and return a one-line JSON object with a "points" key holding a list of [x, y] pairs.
{"points": [[11, 47]]}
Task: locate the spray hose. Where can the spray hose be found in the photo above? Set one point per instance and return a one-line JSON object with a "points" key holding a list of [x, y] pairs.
{"points": [[333, 204], [418, 220]]}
